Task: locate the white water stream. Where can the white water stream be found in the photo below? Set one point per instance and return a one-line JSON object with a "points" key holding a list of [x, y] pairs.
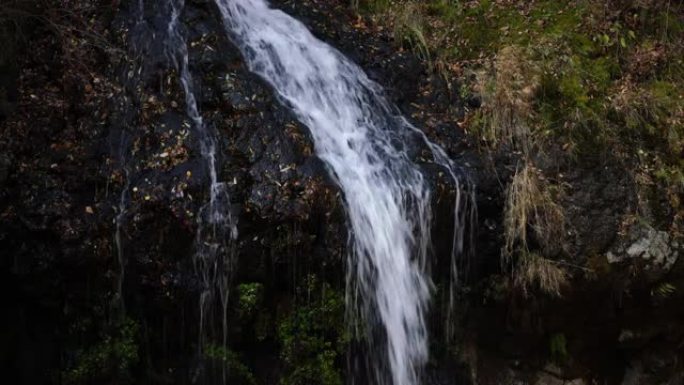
{"points": [[360, 137], [216, 227]]}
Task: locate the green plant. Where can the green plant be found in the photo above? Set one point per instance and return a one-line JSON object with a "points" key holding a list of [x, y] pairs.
{"points": [[409, 28], [664, 290], [249, 296], [313, 335], [237, 371], [110, 358]]}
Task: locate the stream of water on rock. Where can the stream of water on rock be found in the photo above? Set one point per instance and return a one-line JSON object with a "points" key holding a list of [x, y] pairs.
{"points": [[124, 196], [216, 227], [119, 222], [361, 138]]}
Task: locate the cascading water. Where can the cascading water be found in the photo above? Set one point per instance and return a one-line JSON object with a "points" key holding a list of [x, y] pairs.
{"points": [[216, 227], [119, 222], [362, 140], [124, 195]]}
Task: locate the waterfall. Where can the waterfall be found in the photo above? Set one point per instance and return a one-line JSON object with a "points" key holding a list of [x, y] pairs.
{"points": [[216, 227], [362, 140]]}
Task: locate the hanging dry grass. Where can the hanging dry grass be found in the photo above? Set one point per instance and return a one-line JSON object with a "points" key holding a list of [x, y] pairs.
{"points": [[508, 90], [535, 272], [529, 205]]}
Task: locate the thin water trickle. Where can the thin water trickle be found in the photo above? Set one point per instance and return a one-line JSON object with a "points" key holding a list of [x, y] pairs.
{"points": [[359, 135], [216, 227], [122, 207], [119, 222]]}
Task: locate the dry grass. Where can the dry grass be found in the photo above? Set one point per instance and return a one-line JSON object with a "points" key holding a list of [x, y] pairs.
{"points": [[408, 26], [508, 89], [534, 272], [530, 205]]}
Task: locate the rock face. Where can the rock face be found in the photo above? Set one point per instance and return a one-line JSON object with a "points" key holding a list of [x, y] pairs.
{"points": [[655, 248], [102, 134]]}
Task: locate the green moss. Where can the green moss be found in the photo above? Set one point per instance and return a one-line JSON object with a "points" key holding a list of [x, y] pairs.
{"points": [[584, 55], [313, 336], [111, 358]]}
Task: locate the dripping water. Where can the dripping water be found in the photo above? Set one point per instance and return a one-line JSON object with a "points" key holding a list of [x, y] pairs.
{"points": [[216, 228], [119, 221], [122, 207], [364, 143]]}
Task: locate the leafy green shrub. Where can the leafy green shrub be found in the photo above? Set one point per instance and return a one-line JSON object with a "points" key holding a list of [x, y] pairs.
{"points": [[111, 358], [249, 297], [313, 336], [237, 371]]}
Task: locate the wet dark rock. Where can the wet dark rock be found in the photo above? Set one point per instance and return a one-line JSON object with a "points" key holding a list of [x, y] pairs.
{"points": [[596, 201], [474, 101], [5, 168], [8, 89]]}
